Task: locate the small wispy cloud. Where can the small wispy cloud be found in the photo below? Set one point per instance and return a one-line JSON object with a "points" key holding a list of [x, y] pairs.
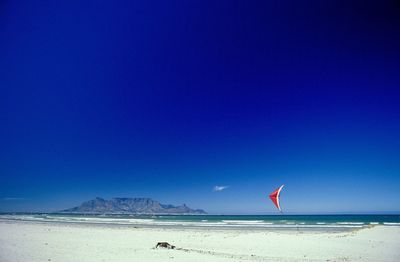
{"points": [[219, 188], [12, 198]]}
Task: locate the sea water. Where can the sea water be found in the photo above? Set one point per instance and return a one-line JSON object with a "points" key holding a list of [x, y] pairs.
{"points": [[328, 222]]}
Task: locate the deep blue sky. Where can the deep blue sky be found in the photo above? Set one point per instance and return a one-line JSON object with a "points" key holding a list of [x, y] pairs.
{"points": [[167, 99]]}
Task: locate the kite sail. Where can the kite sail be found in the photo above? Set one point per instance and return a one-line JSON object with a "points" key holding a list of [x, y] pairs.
{"points": [[275, 197]]}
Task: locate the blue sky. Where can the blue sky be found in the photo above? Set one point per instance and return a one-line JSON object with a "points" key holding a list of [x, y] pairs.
{"points": [[168, 99]]}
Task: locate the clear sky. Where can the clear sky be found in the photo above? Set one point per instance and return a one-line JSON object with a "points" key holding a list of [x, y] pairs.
{"points": [[168, 99]]}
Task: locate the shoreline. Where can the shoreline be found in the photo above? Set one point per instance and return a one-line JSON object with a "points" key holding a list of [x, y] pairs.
{"points": [[212, 227], [292, 229], [335, 223]]}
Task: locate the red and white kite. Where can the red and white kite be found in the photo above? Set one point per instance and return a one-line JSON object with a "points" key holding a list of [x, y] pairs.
{"points": [[275, 197]]}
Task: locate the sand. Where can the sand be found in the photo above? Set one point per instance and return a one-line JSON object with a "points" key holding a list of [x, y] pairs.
{"points": [[35, 241]]}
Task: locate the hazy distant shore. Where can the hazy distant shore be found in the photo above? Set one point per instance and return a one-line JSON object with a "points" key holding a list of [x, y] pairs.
{"points": [[55, 241]]}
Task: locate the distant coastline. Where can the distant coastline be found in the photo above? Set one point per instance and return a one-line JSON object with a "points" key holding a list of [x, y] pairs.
{"points": [[135, 206]]}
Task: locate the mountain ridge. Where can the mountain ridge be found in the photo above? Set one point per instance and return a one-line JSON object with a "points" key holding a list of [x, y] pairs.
{"points": [[125, 205]]}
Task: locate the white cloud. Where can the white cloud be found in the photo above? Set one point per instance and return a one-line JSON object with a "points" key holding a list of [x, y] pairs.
{"points": [[219, 188], [13, 198]]}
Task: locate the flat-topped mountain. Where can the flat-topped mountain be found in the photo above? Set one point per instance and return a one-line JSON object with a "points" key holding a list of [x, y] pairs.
{"points": [[131, 206]]}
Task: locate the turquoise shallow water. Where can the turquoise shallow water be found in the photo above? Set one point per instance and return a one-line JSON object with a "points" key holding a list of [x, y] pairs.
{"points": [[284, 219], [218, 221]]}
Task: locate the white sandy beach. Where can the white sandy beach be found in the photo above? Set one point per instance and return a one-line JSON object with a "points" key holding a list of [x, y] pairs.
{"points": [[35, 241]]}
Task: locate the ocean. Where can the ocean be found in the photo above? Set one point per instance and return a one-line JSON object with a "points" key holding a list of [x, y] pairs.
{"points": [[316, 222]]}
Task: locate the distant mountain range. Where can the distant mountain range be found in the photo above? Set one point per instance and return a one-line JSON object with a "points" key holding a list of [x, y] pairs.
{"points": [[130, 206]]}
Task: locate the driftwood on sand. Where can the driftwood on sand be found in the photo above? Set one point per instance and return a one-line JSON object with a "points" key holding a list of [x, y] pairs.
{"points": [[165, 245]]}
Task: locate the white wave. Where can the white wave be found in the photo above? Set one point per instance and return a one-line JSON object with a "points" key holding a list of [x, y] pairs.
{"points": [[287, 226], [350, 223], [391, 224], [243, 221]]}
